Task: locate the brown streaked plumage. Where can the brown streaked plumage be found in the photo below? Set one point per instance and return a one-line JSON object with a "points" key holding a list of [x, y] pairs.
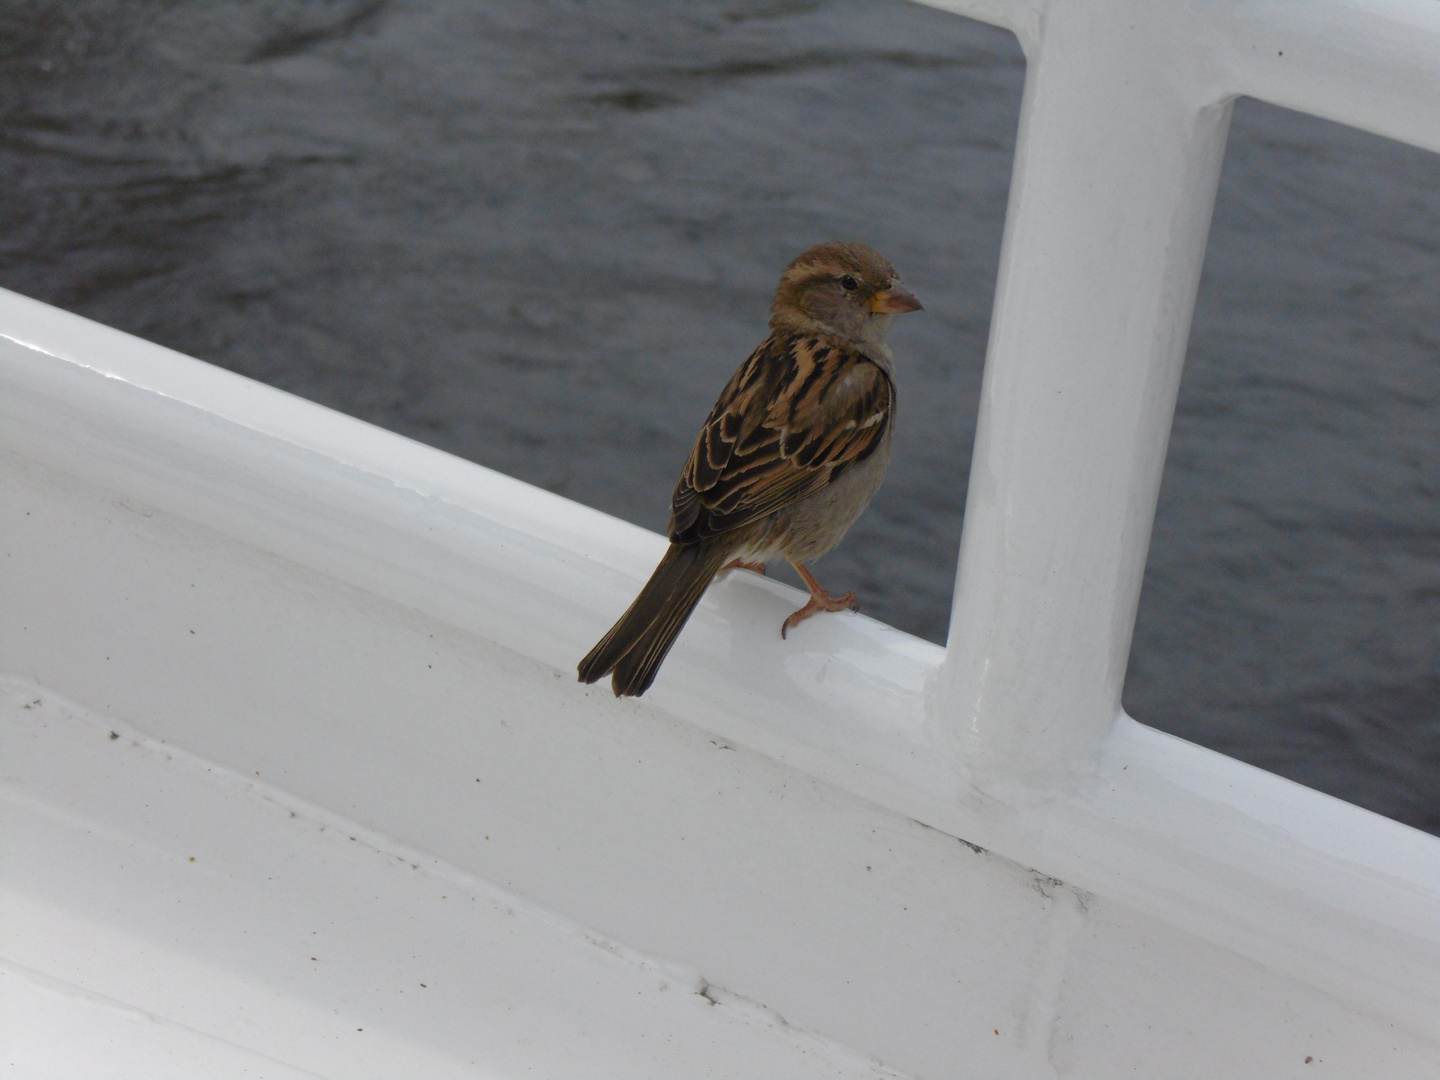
{"points": [[787, 460]]}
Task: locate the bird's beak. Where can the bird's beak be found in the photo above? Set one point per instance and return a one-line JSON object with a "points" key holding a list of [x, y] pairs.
{"points": [[896, 300]]}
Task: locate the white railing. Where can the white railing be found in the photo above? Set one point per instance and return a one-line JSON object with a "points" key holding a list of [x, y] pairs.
{"points": [[1013, 738], [1122, 134]]}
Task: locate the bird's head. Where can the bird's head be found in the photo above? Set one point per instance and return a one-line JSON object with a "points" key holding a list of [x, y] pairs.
{"points": [[843, 288]]}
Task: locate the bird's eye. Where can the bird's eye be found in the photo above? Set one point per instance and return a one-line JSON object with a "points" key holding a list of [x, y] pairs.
{"points": [[848, 283]]}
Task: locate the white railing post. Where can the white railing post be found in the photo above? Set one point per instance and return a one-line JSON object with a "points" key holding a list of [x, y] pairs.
{"points": [[1121, 139]]}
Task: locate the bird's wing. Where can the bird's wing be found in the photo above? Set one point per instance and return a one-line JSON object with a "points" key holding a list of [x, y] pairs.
{"points": [[798, 413]]}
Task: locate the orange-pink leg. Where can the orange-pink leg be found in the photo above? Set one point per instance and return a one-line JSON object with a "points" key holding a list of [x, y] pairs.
{"points": [[740, 564], [820, 600]]}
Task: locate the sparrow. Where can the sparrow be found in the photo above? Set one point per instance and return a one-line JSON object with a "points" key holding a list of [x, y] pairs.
{"points": [[790, 456]]}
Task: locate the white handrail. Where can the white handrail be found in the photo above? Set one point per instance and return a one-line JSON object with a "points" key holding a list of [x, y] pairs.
{"points": [[1122, 135], [1012, 740]]}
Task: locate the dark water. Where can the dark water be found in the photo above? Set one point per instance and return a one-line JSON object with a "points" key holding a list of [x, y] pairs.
{"points": [[541, 235]]}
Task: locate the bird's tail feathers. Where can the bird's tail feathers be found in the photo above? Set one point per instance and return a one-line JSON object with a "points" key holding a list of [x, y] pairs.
{"points": [[640, 639]]}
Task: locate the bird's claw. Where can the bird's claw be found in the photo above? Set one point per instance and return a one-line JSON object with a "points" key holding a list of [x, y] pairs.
{"points": [[820, 601]]}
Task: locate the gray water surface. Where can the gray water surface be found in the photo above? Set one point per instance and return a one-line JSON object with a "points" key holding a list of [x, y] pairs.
{"points": [[541, 236]]}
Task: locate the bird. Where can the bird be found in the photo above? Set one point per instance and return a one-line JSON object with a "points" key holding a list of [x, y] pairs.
{"points": [[787, 460]]}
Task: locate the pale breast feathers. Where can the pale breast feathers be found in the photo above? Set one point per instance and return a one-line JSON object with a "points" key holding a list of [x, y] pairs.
{"points": [[796, 415]]}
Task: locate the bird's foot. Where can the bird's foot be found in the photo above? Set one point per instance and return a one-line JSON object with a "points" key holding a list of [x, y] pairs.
{"points": [[741, 564], [820, 600]]}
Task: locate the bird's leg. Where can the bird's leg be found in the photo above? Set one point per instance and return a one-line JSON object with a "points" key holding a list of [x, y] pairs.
{"points": [[741, 564], [820, 600]]}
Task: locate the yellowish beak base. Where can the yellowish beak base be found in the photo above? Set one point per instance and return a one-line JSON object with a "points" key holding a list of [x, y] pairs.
{"points": [[896, 300]]}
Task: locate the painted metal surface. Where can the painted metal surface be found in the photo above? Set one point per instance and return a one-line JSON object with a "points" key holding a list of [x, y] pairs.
{"points": [[250, 590], [327, 619], [1122, 136]]}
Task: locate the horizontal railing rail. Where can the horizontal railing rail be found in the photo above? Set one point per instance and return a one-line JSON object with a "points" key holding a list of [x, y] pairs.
{"points": [[1013, 738]]}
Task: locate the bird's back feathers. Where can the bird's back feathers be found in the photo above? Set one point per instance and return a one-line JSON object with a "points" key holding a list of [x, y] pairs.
{"points": [[798, 413]]}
